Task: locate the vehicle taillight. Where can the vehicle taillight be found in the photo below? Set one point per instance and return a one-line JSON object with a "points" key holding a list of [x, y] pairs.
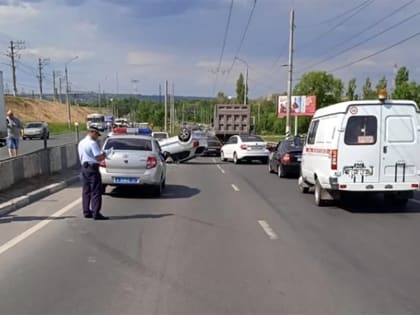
{"points": [[334, 157], [120, 130], [102, 163], [151, 162], [244, 147], [196, 144], [286, 158]]}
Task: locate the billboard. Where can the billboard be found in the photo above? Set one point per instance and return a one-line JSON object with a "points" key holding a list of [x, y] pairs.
{"points": [[301, 106]]}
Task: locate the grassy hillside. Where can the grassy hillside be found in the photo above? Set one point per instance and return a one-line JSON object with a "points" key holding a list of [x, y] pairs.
{"points": [[28, 109]]}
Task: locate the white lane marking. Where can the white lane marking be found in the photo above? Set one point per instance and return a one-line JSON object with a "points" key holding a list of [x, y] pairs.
{"points": [[268, 230], [16, 240], [220, 168], [235, 188]]}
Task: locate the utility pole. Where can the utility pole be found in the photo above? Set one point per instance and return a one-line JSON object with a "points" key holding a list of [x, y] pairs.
{"points": [[54, 87], [13, 54], [99, 95], [160, 94], [173, 109], [41, 65], [290, 79], [246, 86], [166, 107], [59, 90]]}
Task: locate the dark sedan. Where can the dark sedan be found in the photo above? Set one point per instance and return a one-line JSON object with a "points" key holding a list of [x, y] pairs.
{"points": [[285, 158], [213, 146]]}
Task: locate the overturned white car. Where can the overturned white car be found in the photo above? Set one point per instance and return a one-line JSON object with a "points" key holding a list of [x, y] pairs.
{"points": [[186, 146]]}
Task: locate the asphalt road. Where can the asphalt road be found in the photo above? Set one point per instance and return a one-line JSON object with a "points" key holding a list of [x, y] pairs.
{"points": [[28, 146], [223, 239]]}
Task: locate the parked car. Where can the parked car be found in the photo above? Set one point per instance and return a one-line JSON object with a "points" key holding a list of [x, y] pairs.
{"points": [[159, 135], [186, 146], [36, 129], [133, 160], [213, 146], [244, 147], [285, 158]]}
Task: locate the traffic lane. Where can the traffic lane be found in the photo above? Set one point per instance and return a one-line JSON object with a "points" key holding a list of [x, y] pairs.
{"points": [[28, 146], [197, 250], [367, 246]]}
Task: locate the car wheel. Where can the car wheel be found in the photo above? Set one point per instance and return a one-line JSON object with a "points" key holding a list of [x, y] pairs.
{"points": [[280, 171], [302, 188], [270, 170], [222, 156], [23, 138], [184, 134], [235, 158], [318, 195]]}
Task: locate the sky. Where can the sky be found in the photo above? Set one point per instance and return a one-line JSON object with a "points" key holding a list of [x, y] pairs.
{"points": [[134, 46]]}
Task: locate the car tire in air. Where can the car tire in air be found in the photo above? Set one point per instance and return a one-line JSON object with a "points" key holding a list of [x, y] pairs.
{"points": [[184, 135]]}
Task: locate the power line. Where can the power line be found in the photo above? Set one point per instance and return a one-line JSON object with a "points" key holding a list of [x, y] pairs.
{"points": [[223, 46], [375, 53], [243, 36], [326, 21], [347, 49], [360, 8]]}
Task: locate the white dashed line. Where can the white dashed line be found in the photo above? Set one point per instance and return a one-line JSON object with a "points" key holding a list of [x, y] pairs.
{"points": [[220, 168], [14, 241], [235, 188], [268, 230]]}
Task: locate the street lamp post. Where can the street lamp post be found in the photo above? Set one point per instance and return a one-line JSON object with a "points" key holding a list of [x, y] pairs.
{"points": [[246, 78], [67, 90]]}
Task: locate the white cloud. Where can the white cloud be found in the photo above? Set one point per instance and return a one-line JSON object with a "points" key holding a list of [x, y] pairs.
{"points": [[147, 58], [59, 54], [16, 13]]}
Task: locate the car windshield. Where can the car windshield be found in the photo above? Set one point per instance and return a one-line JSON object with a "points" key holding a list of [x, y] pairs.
{"points": [[129, 144], [213, 140], [251, 138], [34, 125]]}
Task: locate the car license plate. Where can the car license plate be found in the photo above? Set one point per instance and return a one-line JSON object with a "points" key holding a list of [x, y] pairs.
{"points": [[126, 180]]}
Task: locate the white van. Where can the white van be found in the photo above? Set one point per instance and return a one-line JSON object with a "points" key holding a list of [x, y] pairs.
{"points": [[363, 146]]}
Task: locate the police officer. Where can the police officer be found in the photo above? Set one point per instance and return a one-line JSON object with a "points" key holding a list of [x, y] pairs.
{"points": [[90, 155]]}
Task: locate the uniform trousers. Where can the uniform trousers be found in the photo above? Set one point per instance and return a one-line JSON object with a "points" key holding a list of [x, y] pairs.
{"points": [[92, 193]]}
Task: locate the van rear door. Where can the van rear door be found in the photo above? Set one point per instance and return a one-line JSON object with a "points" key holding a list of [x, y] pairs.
{"points": [[400, 152], [360, 149]]}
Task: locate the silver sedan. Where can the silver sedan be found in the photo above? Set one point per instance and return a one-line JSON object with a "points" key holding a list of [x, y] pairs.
{"points": [[133, 160]]}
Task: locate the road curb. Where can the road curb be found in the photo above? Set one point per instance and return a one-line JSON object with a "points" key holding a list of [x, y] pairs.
{"points": [[22, 201]]}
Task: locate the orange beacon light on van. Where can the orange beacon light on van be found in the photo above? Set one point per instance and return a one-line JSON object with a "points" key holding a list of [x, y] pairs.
{"points": [[382, 95]]}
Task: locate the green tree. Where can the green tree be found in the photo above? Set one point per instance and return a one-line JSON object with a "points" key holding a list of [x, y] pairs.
{"points": [[221, 98], [351, 89], [327, 89], [368, 93], [402, 76], [240, 88], [382, 84]]}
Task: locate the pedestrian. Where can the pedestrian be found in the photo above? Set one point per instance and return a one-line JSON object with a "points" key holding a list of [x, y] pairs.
{"points": [[90, 156], [14, 127]]}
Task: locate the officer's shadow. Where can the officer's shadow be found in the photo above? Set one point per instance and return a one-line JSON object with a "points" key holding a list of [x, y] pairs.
{"points": [[140, 216]]}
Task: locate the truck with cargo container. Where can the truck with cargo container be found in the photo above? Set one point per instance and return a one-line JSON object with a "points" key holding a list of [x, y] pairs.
{"points": [[231, 119]]}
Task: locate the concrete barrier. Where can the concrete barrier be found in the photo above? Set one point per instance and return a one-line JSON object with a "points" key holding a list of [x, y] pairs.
{"points": [[41, 162]]}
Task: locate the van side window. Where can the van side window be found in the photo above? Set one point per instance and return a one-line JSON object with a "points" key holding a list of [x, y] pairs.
{"points": [[312, 132], [361, 130]]}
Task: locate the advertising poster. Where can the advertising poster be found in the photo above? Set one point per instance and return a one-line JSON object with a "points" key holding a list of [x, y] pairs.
{"points": [[301, 105]]}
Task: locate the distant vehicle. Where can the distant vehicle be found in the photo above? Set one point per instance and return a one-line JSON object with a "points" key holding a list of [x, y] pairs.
{"points": [[96, 120], [244, 148], [133, 160], [3, 128], [213, 146], [37, 129], [160, 135], [186, 146], [231, 119], [285, 158], [109, 121], [369, 146], [121, 122]]}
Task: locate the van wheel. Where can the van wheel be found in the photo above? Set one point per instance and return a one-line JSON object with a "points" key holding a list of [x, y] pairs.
{"points": [[318, 195]]}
